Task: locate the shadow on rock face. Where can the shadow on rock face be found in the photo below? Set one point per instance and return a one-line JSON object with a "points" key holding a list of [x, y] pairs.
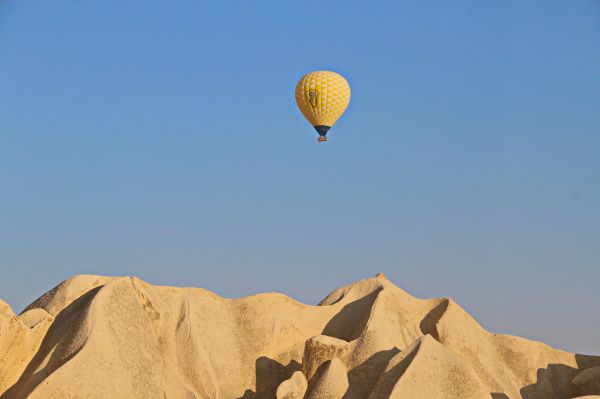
{"points": [[553, 382], [587, 361], [55, 347], [352, 319], [388, 379], [269, 374], [556, 381], [248, 394], [429, 323], [362, 378]]}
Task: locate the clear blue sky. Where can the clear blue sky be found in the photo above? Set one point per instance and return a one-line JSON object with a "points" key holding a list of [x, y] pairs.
{"points": [[161, 139]]}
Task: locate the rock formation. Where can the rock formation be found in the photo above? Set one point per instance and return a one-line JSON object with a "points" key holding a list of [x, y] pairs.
{"points": [[102, 337]]}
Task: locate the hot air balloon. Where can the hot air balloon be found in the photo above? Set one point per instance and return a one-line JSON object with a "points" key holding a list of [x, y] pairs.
{"points": [[322, 97]]}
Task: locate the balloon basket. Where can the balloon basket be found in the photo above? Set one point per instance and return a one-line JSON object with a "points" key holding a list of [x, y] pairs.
{"points": [[322, 139]]}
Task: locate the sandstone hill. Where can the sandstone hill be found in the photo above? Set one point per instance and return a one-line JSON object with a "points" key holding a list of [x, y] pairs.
{"points": [[103, 337]]}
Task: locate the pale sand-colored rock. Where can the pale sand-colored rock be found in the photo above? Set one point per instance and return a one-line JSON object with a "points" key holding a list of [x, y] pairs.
{"points": [[293, 388], [119, 337], [321, 349], [428, 370], [330, 382], [20, 337], [66, 292]]}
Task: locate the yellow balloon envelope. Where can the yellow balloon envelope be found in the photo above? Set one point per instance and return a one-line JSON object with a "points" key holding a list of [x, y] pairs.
{"points": [[322, 96]]}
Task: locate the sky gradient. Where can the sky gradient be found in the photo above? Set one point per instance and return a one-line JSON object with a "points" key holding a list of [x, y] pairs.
{"points": [[161, 139]]}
